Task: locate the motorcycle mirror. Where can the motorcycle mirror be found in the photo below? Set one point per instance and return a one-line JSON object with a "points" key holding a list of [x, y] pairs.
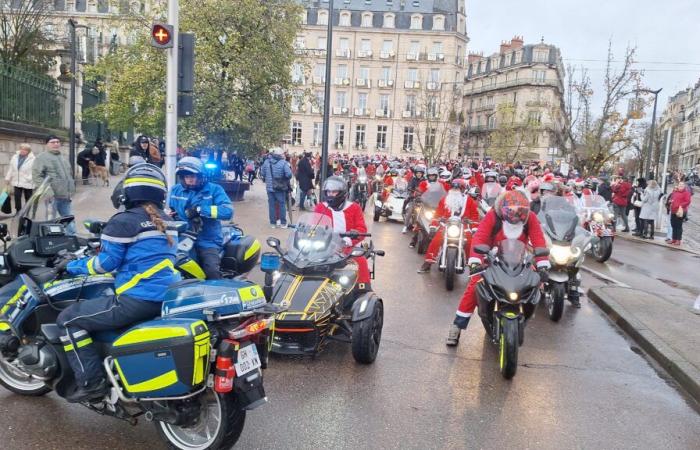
{"points": [[357, 251], [482, 249], [273, 242], [541, 251]]}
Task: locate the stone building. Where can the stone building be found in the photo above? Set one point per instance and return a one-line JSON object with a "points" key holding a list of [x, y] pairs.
{"points": [[396, 73], [682, 115], [527, 81]]}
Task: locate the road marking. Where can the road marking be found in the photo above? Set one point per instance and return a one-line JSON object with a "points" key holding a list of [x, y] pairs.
{"points": [[605, 277]]}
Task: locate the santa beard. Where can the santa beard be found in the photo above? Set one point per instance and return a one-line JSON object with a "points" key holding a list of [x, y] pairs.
{"points": [[454, 202], [512, 231]]}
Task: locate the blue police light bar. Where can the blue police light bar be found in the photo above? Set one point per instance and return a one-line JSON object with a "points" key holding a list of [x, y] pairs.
{"points": [[211, 165]]}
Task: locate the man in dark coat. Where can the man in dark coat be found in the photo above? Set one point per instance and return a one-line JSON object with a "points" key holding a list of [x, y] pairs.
{"points": [[305, 177]]}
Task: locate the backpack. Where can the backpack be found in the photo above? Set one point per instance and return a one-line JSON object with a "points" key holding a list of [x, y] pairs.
{"points": [[280, 184], [154, 154]]}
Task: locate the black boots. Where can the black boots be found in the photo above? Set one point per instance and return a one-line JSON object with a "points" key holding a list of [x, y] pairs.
{"points": [[94, 390]]}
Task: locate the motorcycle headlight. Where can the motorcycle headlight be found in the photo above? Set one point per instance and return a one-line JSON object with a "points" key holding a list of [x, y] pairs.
{"points": [[598, 217], [513, 296], [428, 215], [560, 254], [453, 231]]}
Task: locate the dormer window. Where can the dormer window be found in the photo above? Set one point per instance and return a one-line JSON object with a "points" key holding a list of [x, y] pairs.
{"points": [[367, 19], [416, 22], [322, 17], [438, 23], [344, 19], [388, 21]]}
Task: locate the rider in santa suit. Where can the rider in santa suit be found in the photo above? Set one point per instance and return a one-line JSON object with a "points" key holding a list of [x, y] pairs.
{"points": [[346, 216], [510, 218], [455, 203]]}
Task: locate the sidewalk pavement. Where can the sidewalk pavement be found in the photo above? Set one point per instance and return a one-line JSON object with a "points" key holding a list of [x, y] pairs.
{"points": [[665, 328]]}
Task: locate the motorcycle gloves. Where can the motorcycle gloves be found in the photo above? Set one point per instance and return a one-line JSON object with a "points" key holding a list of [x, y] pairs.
{"points": [[193, 212]]}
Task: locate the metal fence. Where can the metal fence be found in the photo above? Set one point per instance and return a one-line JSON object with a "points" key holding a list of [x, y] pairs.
{"points": [[29, 97]]}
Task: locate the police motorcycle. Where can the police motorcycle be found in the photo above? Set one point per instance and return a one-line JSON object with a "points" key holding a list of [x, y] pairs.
{"points": [[426, 204], [451, 258], [596, 218], [39, 236], [392, 207], [567, 243], [316, 285], [194, 371], [507, 297]]}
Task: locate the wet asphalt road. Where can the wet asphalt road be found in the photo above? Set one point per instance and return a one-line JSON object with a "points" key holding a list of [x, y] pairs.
{"points": [[579, 384]]}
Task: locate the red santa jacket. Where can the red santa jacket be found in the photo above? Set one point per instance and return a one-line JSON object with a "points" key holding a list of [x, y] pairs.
{"points": [[349, 218], [531, 235], [469, 210]]}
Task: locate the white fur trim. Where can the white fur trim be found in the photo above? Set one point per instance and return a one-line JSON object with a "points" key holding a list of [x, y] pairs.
{"points": [[339, 225], [473, 260], [463, 314], [543, 264]]}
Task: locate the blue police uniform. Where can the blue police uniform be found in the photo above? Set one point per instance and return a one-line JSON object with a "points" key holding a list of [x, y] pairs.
{"points": [[143, 265], [214, 206]]}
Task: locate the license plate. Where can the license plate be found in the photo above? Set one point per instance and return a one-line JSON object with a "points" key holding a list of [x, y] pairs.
{"points": [[247, 361]]}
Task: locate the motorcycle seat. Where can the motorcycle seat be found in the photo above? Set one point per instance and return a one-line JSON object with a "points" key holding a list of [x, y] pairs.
{"points": [[41, 275], [108, 336]]}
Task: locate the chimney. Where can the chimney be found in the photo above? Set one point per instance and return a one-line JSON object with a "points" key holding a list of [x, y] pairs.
{"points": [[505, 46], [473, 57], [516, 43]]}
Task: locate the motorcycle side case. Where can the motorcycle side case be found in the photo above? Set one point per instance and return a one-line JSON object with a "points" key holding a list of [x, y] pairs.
{"points": [[194, 299], [162, 357], [240, 255]]}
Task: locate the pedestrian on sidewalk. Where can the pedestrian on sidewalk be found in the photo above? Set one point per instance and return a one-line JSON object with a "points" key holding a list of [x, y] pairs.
{"points": [[19, 174], [276, 174], [621, 190], [636, 204], [679, 201], [649, 210], [305, 177], [54, 166]]}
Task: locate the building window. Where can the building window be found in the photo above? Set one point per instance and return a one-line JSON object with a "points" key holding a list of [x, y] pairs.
{"points": [[366, 46], [387, 47], [408, 139], [360, 136], [304, 16], [430, 138], [339, 134], [539, 75], [438, 23], [297, 101], [518, 57], [541, 55], [366, 19], [412, 74], [318, 134], [344, 44], [492, 122], [416, 22], [296, 133], [381, 136], [342, 71], [297, 73], [437, 48], [384, 103], [435, 75], [388, 21], [534, 117], [340, 99], [386, 73], [322, 17], [319, 100], [320, 71], [414, 49], [344, 19], [364, 73], [432, 107], [362, 100], [321, 43], [411, 104], [299, 42]]}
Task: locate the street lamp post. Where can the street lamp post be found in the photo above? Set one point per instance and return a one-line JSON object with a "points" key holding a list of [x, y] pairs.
{"points": [[651, 133], [73, 75], [326, 96]]}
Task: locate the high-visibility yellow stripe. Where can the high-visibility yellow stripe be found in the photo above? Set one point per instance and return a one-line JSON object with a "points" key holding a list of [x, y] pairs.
{"points": [[292, 289], [14, 299], [214, 211], [147, 274], [248, 294], [80, 344], [193, 269], [134, 180], [91, 266], [154, 384], [141, 335], [254, 247], [4, 326]]}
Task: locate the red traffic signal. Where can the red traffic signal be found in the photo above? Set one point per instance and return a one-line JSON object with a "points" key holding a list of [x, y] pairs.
{"points": [[162, 35]]}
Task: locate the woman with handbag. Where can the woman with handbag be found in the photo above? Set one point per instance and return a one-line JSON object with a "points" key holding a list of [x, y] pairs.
{"points": [[679, 203], [19, 174], [637, 206]]}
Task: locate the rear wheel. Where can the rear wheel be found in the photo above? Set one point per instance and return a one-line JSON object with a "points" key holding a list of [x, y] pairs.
{"points": [[219, 425], [450, 268], [603, 250], [555, 302], [508, 348], [15, 380], [377, 214], [366, 335]]}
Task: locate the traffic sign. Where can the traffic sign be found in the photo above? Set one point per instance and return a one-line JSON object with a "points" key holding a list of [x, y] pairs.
{"points": [[162, 35]]}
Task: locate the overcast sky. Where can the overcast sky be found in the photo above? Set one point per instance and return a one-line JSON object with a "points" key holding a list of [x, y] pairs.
{"points": [[664, 32]]}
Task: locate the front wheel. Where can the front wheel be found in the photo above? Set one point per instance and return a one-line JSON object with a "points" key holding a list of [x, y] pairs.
{"points": [[423, 243], [603, 250], [218, 426], [377, 214], [366, 335], [450, 268], [555, 303], [14, 380], [508, 348]]}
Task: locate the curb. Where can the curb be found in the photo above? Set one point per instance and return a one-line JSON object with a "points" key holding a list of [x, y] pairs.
{"points": [[684, 373], [628, 237]]}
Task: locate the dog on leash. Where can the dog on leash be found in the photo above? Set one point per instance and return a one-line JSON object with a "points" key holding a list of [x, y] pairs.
{"points": [[99, 172]]}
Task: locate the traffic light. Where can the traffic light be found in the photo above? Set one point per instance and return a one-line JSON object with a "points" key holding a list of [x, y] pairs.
{"points": [[185, 61], [162, 35]]}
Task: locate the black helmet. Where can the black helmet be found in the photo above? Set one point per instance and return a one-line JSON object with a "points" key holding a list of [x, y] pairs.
{"points": [[335, 183], [144, 183]]}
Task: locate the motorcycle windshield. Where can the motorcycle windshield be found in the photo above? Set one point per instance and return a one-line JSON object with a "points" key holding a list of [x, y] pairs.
{"points": [[314, 241], [432, 196], [490, 190], [400, 188], [558, 218], [39, 208], [594, 202], [512, 252]]}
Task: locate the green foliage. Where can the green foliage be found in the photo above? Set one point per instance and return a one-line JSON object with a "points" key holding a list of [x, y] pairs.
{"points": [[23, 36], [513, 134]]}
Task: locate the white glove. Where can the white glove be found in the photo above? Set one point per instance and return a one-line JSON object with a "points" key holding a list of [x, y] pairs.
{"points": [[348, 241]]}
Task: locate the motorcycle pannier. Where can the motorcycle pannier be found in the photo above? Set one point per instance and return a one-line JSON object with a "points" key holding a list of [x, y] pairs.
{"points": [[240, 255], [162, 358]]}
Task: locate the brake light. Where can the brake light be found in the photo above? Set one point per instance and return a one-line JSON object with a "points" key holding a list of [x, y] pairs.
{"points": [[251, 329], [225, 370]]}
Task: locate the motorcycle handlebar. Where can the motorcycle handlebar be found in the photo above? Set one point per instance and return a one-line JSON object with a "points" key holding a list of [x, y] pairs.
{"points": [[355, 234]]}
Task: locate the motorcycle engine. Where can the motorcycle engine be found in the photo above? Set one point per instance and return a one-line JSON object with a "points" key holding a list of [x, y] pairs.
{"points": [[38, 360]]}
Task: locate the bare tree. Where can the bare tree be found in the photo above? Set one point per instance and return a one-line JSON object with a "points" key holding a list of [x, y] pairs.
{"points": [[24, 39], [513, 133], [435, 122]]}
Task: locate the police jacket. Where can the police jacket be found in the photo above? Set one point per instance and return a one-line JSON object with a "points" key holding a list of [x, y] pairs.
{"points": [[214, 206], [137, 253]]}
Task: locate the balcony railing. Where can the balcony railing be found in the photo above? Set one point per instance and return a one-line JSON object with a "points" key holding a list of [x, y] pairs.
{"points": [[469, 90], [384, 84]]}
